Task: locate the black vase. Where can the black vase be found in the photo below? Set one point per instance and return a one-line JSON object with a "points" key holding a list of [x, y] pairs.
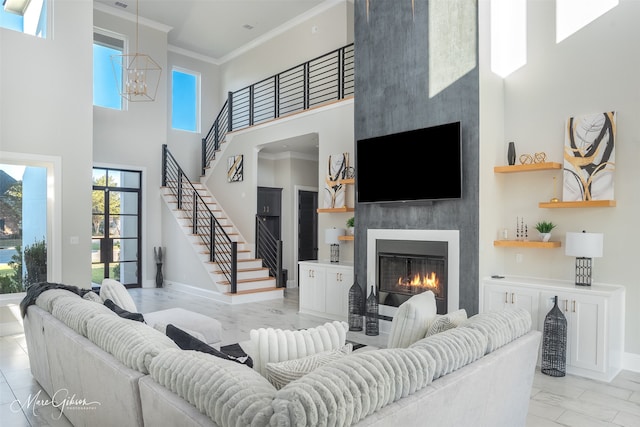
{"points": [[511, 154], [159, 278]]}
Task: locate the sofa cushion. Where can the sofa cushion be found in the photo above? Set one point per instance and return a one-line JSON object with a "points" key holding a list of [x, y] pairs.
{"points": [[76, 312], [347, 390], [443, 322], [282, 373], [132, 343], [205, 328], [138, 317], [116, 292], [500, 327], [453, 349], [188, 342], [92, 296], [227, 392], [412, 319], [277, 345], [47, 299]]}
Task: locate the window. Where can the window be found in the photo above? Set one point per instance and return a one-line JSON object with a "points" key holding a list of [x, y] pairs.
{"points": [[105, 86], [185, 100], [29, 17]]}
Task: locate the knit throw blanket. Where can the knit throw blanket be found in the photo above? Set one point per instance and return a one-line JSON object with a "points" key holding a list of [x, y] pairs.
{"points": [[34, 291]]}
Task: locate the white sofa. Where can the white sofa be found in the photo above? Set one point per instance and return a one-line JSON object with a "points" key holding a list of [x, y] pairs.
{"points": [[139, 377]]}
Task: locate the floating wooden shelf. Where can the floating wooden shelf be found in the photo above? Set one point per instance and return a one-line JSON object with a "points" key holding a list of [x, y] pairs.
{"points": [[347, 181], [528, 168], [335, 210], [582, 204], [526, 244], [345, 238]]}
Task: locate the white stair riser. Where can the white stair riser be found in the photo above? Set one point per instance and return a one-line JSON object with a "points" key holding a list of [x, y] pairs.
{"points": [[249, 286]]}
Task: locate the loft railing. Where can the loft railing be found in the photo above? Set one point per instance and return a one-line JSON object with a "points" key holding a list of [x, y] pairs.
{"points": [[222, 250], [327, 78], [269, 249]]}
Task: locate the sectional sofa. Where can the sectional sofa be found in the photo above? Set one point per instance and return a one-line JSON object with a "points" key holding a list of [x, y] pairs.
{"points": [[111, 371]]}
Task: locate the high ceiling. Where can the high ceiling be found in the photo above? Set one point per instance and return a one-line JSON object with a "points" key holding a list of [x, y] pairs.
{"points": [[216, 28]]}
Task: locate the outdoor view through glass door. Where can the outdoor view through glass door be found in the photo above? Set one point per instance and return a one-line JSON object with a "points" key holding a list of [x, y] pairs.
{"points": [[116, 226]]}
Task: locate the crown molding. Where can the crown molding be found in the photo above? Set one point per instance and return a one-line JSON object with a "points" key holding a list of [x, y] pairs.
{"points": [[191, 54], [131, 17]]}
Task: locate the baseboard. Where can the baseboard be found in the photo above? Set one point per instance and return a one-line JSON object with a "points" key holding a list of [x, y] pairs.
{"points": [[631, 362], [193, 290]]}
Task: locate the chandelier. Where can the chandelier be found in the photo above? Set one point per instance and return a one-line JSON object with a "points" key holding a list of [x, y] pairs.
{"points": [[139, 73]]}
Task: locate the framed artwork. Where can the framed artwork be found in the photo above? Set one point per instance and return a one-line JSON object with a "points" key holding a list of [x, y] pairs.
{"points": [[589, 157], [334, 191], [235, 169]]}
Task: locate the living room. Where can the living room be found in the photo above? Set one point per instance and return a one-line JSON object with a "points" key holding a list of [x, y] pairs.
{"points": [[588, 72]]}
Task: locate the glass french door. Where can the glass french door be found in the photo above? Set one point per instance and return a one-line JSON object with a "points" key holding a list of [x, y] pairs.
{"points": [[116, 226]]}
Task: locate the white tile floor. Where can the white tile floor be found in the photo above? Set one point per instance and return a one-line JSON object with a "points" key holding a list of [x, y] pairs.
{"points": [[567, 401]]}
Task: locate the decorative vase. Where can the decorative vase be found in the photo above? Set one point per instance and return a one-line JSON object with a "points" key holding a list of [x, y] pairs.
{"points": [[350, 231], [545, 237], [372, 327], [554, 342], [356, 307], [159, 278], [511, 153]]}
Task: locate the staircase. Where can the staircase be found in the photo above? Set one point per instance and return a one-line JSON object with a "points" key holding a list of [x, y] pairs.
{"points": [[252, 280]]}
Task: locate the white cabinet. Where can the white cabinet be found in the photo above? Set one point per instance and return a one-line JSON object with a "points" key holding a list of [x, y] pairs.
{"points": [[324, 288], [595, 318]]}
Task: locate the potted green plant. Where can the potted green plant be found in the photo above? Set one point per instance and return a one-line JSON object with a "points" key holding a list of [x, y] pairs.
{"points": [[544, 228], [350, 225]]}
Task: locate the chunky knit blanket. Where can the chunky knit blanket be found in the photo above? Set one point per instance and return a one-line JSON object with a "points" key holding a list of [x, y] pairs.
{"points": [[34, 291]]}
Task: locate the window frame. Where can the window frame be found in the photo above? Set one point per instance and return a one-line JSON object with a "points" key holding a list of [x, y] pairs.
{"points": [[125, 48], [198, 98]]}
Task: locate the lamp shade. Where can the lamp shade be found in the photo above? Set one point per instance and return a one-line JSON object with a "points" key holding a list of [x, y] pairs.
{"points": [[584, 245], [331, 235]]}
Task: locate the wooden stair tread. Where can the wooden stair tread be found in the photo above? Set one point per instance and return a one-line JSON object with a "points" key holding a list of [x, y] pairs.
{"points": [[257, 279], [253, 291], [243, 270], [240, 260]]}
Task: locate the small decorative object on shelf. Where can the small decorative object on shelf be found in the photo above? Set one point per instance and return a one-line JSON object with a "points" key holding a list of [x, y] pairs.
{"points": [[350, 173], [554, 342], [554, 199], [522, 232], [158, 255], [511, 153], [530, 159], [350, 224], [372, 327], [356, 307], [544, 228], [584, 246]]}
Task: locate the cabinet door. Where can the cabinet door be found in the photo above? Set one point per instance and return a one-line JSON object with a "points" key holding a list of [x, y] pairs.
{"points": [[312, 288], [504, 297], [585, 328], [338, 281], [269, 201]]}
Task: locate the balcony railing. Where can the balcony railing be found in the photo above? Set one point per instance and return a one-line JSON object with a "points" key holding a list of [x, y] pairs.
{"points": [[327, 78]]}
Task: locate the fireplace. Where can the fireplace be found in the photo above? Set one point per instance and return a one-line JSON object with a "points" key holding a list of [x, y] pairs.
{"points": [[395, 257], [408, 267]]}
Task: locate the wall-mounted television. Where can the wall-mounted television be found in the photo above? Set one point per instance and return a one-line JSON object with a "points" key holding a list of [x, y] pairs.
{"points": [[422, 164]]}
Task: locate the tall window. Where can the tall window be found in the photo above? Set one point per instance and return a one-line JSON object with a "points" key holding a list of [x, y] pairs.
{"points": [[105, 86], [26, 17], [185, 100]]}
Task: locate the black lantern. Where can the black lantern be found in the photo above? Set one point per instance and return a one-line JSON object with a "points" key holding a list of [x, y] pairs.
{"points": [[372, 314], [554, 342], [356, 307]]}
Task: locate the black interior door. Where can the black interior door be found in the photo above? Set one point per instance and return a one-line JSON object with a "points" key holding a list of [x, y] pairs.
{"points": [[307, 225]]}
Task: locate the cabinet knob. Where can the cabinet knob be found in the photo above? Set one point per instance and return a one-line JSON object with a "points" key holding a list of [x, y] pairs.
{"points": [[506, 297], [513, 298], [573, 306], [566, 305]]}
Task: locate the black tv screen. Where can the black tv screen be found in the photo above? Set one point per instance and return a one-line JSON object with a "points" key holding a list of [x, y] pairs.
{"points": [[421, 164]]}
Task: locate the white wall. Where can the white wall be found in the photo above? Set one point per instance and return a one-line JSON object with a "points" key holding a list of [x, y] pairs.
{"points": [[290, 48], [592, 71], [46, 98]]}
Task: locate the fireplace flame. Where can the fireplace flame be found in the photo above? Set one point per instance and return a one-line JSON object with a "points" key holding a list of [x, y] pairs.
{"points": [[428, 281]]}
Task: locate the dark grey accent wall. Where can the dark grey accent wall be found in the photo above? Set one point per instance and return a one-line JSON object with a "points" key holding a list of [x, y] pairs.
{"points": [[392, 95]]}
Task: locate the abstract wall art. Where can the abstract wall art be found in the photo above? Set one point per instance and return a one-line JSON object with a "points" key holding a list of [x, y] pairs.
{"points": [[589, 157], [235, 170], [334, 192]]}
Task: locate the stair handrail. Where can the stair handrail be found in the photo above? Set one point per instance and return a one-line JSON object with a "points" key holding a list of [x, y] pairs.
{"points": [[324, 79], [269, 249], [222, 250]]}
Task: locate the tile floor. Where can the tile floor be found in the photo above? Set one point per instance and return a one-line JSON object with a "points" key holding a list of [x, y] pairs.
{"points": [[566, 401]]}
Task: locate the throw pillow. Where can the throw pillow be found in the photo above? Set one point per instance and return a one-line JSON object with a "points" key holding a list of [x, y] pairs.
{"points": [[445, 322], [412, 319], [188, 342], [282, 373], [138, 317], [92, 296], [116, 292]]}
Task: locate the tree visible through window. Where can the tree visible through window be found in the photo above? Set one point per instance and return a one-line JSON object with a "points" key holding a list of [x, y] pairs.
{"points": [[185, 99]]}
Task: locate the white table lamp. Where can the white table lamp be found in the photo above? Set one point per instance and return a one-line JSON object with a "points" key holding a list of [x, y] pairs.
{"points": [[584, 246], [331, 237]]}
